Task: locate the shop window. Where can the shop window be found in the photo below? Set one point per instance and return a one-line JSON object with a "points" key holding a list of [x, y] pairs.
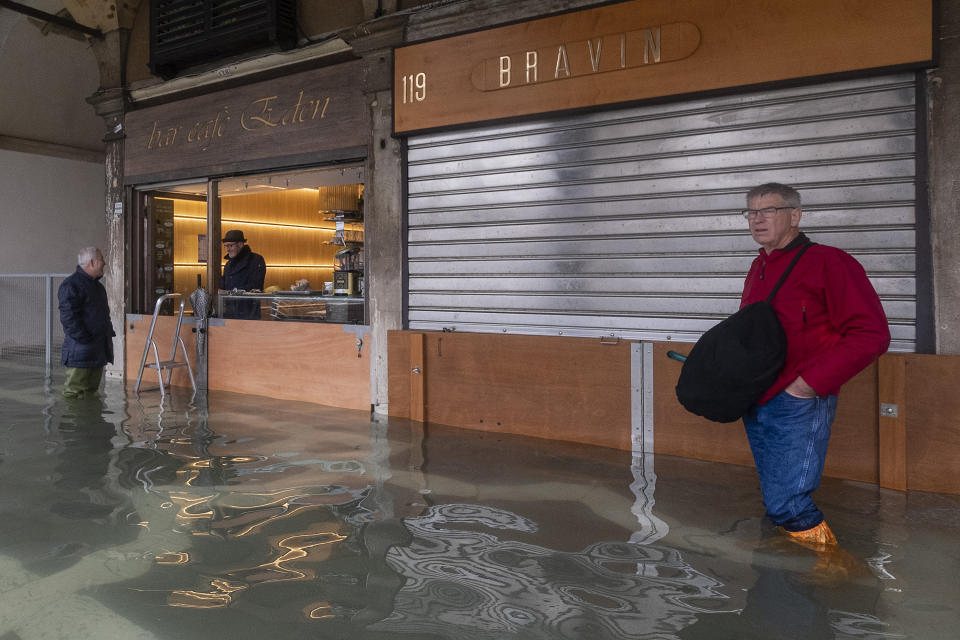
{"points": [[310, 237]]}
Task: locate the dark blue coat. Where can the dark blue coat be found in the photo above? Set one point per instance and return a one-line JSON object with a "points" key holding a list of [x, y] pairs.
{"points": [[85, 316]]}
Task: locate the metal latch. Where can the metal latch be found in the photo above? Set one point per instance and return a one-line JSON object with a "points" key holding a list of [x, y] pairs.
{"points": [[888, 410]]}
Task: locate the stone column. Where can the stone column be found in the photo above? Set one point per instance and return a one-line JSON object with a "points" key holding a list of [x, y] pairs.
{"points": [[109, 104], [383, 204], [943, 138]]}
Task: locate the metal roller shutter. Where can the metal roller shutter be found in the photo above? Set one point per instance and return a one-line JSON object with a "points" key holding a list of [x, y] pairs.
{"points": [[624, 222]]}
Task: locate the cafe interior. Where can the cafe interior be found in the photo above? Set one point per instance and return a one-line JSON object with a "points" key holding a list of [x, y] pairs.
{"points": [[307, 225]]}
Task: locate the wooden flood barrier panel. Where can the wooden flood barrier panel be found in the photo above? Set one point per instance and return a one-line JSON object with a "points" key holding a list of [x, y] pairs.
{"points": [[853, 442], [137, 330], [573, 389], [930, 447], [578, 390], [309, 362]]}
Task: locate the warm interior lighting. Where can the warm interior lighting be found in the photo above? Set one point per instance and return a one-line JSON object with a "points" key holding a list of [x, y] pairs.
{"points": [[259, 224], [269, 266]]}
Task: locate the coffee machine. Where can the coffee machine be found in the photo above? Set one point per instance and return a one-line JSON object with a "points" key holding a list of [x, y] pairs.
{"points": [[347, 271]]}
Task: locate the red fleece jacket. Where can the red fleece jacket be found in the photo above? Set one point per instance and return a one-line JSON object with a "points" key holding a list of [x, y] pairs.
{"points": [[830, 312]]}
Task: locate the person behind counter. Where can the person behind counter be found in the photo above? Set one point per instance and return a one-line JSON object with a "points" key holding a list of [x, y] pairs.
{"points": [[244, 270]]}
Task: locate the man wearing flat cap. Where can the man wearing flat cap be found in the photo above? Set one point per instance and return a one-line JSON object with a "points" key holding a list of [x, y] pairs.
{"points": [[245, 270]]}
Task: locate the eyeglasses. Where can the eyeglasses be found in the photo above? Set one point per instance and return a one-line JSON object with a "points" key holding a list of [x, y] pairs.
{"points": [[768, 212]]}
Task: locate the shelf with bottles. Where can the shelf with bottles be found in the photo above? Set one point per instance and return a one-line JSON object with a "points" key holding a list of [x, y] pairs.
{"points": [[352, 216], [348, 230], [347, 238]]}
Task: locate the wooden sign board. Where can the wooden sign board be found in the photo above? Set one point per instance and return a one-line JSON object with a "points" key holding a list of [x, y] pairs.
{"points": [[280, 122], [647, 49]]}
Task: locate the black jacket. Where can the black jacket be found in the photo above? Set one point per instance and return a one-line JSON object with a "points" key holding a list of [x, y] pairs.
{"points": [[246, 272], [85, 316]]}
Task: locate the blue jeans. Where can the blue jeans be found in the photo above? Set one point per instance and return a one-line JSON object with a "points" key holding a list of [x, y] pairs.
{"points": [[789, 437]]}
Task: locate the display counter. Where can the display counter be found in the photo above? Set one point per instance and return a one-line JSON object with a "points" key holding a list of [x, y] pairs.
{"points": [[295, 306]]}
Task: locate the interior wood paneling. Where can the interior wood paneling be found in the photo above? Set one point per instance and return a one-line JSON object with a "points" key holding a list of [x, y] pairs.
{"points": [[933, 426], [300, 250], [291, 361], [572, 389]]}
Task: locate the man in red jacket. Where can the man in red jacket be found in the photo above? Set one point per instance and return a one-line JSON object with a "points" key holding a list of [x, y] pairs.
{"points": [[835, 326]]}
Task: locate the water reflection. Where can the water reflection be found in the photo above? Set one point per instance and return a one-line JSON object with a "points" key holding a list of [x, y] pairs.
{"points": [[790, 599], [464, 581], [84, 498], [454, 569], [270, 520]]}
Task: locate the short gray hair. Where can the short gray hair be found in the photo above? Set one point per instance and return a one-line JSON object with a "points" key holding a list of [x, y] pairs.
{"points": [[86, 255], [791, 196]]}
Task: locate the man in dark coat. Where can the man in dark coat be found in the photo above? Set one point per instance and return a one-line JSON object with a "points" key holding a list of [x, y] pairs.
{"points": [[88, 332], [245, 270]]}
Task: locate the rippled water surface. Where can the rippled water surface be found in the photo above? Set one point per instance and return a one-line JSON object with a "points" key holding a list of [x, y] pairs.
{"points": [[244, 517]]}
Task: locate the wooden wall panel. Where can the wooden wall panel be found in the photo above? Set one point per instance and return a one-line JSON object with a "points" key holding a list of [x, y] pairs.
{"points": [[285, 360], [892, 429], [573, 389], [853, 443], [398, 373], [579, 390], [291, 361], [461, 79], [416, 368], [933, 423], [163, 335], [314, 115], [854, 439], [678, 432]]}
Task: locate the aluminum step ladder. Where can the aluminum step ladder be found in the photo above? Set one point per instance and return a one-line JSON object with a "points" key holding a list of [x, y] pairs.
{"points": [[171, 363]]}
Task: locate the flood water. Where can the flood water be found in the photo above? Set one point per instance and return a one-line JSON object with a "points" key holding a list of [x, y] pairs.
{"points": [[244, 517]]}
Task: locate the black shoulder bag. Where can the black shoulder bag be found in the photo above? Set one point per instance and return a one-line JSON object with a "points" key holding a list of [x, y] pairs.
{"points": [[736, 361]]}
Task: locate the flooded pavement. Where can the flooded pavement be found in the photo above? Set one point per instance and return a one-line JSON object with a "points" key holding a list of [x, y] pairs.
{"points": [[244, 517]]}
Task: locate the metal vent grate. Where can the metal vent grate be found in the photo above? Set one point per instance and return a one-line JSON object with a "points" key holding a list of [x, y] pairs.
{"points": [[189, 32], [176, 20]]}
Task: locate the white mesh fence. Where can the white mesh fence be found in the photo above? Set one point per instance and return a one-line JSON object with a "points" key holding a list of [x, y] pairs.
{"points": [[30, 328]]}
